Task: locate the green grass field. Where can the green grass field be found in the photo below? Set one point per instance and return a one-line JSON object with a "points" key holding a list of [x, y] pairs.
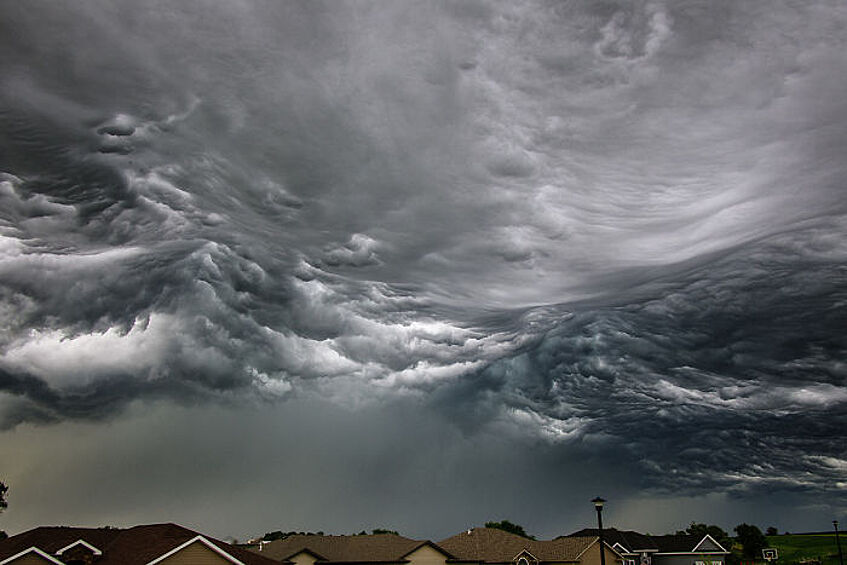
{"points": [[796, 548]]}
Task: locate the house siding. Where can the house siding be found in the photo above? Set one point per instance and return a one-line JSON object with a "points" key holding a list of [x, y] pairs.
{"points": [[426, 555], [689, 559], [303, 558], [591, 556], [195, 554]]}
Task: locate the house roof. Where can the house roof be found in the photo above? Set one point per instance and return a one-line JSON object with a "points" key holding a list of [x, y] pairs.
{"points": [[684, 543], [637, 542], [497, 546], [132, 546], [681, 543], [633, 541], [376, 548]]}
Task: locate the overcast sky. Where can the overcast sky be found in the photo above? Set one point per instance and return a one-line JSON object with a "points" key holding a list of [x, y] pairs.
{"points": [[419, 265]]}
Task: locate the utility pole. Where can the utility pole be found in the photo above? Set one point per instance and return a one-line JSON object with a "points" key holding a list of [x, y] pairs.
{"points": [[598, 504]]}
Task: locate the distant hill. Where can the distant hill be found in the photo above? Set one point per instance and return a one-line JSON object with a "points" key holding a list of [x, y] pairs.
{"points": [[826, 533]]}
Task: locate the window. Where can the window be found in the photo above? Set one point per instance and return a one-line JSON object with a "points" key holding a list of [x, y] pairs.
{"points": [[699, 563], [523, 561]]}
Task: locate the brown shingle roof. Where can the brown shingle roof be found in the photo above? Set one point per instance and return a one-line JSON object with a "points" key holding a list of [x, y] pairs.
{"points": [[496, 546], [51, 539], [384, 548], [132, 546]]}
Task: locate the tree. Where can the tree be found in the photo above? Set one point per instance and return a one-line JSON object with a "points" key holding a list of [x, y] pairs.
{"points": [[376, 531], [3, 504], [507, 526], [752, 541], [771, 531], [279, 534]]}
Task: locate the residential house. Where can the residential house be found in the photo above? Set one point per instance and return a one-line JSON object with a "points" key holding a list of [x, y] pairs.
{"points": [[491, 546], [376, 549], [679, 549], [155, 544]]}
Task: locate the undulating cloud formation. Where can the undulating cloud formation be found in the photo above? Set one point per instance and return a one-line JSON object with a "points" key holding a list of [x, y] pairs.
{"points": [[608, 237]]}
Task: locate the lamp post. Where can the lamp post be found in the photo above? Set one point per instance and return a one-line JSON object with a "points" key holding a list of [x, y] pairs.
{"points": [[598, 504], [838, 542]]}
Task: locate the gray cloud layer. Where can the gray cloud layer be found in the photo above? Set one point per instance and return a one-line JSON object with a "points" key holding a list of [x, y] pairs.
{"points": [[617, 229]]}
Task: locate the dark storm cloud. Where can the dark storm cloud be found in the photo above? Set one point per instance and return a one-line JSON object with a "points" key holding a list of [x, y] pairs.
{"points": [[729, 377], [598, 228]]}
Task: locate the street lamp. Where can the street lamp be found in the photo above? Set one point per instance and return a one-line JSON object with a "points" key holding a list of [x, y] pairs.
{"points": [[838, 542], [598, 504]]}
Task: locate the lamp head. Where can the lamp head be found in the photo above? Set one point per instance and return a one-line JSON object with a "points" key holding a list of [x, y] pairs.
{"points": [[598, 503]]}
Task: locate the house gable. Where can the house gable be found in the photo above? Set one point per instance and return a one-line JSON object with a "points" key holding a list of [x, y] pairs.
{"points": [[709, 544], [304, 557], [525, 558], [196, 551], [427, 554], [80, 543], [31, 556], [79, 552]]}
